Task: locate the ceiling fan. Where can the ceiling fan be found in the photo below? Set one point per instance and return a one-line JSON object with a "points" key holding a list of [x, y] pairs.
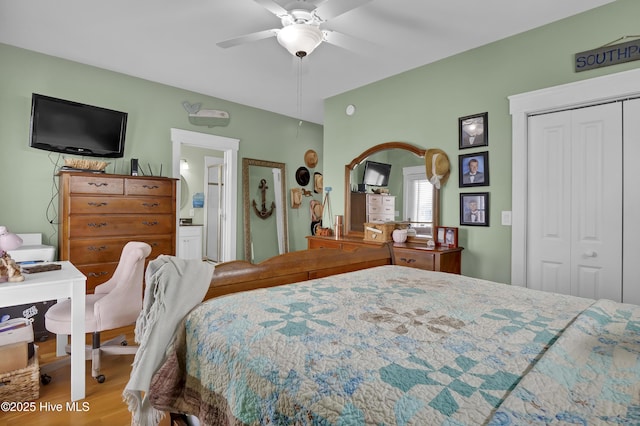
{"points": [[301, 20]]}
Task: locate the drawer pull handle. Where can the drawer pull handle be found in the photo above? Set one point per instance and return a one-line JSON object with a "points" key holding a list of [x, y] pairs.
{"points": [[154, 223], [92, 248], [404, 259], [98, 184], [97, 274], [150, 204], [151, 186], [92, 204], [96, 225]]}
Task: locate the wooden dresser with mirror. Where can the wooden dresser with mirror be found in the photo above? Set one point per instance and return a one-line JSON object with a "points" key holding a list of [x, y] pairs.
{"points": [[414, 252]]}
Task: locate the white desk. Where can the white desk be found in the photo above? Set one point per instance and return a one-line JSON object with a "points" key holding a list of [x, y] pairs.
{"points": [[67, 282]]}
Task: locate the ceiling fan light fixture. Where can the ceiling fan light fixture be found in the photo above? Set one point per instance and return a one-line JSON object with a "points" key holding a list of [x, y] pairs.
{"points": [[300, 39]]}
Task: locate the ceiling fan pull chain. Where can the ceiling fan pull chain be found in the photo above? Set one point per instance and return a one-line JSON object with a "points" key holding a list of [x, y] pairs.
{"points": [[299, 88]]}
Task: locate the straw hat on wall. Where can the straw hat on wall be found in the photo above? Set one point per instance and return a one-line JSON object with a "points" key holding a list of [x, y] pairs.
{"points": [[438, 167], [311, 158]]}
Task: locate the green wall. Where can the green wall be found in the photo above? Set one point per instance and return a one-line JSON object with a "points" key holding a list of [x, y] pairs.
{"points": [[422, 107], [29, 188]]}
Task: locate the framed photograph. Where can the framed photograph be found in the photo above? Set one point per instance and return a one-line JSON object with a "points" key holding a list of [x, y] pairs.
{"points": [[439, 236], [474, 169], [446, 236], [474, 209], [451, 237], [473, 130]]}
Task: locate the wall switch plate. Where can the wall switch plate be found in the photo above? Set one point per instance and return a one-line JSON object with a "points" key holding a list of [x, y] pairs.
{"points": [[506, 218], [192, 212]]}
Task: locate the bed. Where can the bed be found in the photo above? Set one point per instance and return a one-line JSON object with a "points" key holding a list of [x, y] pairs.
{"points": [[380, 344]]}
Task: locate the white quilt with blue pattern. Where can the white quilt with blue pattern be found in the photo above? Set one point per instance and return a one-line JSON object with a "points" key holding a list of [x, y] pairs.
{"points": [[385, 346], [591, 376]]}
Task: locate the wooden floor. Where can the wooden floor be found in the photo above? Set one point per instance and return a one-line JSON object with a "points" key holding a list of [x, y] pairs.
{"points": [[103, 404]]}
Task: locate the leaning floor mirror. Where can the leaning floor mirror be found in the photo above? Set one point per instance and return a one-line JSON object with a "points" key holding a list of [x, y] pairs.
{"points": [[265, 210]]}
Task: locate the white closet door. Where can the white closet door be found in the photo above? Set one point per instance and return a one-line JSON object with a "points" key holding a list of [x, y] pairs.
{"points": [[631, 245], [575, 205], [549, 205], [597, 202]]}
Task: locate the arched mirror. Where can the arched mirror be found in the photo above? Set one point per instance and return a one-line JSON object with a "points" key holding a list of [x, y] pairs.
{"points": [[265, 210], [402, 165]]}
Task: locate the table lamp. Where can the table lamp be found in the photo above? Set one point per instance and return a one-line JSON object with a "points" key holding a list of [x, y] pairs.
{"points": [[8, 240]]}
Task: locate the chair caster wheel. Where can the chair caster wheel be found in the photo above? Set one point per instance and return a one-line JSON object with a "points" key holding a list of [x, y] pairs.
{"points": [[124, 343], [45, 379], [100, 378]]}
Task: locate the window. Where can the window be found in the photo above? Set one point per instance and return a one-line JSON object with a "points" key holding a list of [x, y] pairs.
{"points": [[418, 200]]}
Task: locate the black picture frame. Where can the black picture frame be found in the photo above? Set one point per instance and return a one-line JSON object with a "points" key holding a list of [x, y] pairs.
{"points": [[467, 176], [481, 200], [473, 130]]}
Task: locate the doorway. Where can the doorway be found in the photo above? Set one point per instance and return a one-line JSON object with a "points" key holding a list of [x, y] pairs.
{"points": [[229, 148], [215, 220]]}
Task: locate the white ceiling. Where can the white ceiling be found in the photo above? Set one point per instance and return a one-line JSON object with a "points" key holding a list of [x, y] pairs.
{"points": [[174, 42]]}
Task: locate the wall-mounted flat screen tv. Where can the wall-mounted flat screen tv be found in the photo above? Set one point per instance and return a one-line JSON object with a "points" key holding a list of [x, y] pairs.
{"points": [[376, 174], [60, 125]]}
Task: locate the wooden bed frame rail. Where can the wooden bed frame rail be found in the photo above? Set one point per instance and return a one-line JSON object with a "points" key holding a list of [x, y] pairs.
{"points": [[239, 275]]}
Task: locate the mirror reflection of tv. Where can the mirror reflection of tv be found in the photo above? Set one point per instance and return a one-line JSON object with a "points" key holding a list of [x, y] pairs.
{"points": [[60, 125], [376, 174]]}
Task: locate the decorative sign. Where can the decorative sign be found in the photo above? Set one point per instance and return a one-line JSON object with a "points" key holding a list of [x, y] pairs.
{"points": [[608, 55]]}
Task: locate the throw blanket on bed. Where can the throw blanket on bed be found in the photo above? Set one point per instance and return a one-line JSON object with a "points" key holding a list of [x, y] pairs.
{"points": [[384, 346], [591, 376], [173, 287]]}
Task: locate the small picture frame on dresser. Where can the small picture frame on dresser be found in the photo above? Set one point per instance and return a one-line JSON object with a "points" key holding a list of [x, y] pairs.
{"points": [[451, 237], [446, 236], [439, 236]]}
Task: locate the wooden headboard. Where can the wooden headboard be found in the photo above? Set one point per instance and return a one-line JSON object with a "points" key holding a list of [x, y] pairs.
{"points": [[239, 275]]}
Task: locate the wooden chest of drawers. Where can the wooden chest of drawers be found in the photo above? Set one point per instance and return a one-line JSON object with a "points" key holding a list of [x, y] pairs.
{"points": [[100, 213], [366, 207], [406, 254]]}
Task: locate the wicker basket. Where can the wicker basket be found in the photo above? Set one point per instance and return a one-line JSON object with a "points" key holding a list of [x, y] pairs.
{"points": [[23, 384], [83, 164]]}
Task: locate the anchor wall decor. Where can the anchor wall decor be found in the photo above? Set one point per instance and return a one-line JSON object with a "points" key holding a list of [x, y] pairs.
{"points": [[263, 213]]}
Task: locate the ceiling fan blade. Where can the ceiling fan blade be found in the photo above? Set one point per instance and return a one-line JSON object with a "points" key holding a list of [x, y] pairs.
{"points": [[350, 43], [332, 8], [273, 7], [248, 38]]}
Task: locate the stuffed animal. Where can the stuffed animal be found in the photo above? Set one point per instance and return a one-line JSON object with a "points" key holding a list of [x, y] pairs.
{"points": [[9, 269]]}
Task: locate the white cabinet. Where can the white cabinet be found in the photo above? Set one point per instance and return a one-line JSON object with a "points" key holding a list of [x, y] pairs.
{"points": [[380, 208], [190, 242]]}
